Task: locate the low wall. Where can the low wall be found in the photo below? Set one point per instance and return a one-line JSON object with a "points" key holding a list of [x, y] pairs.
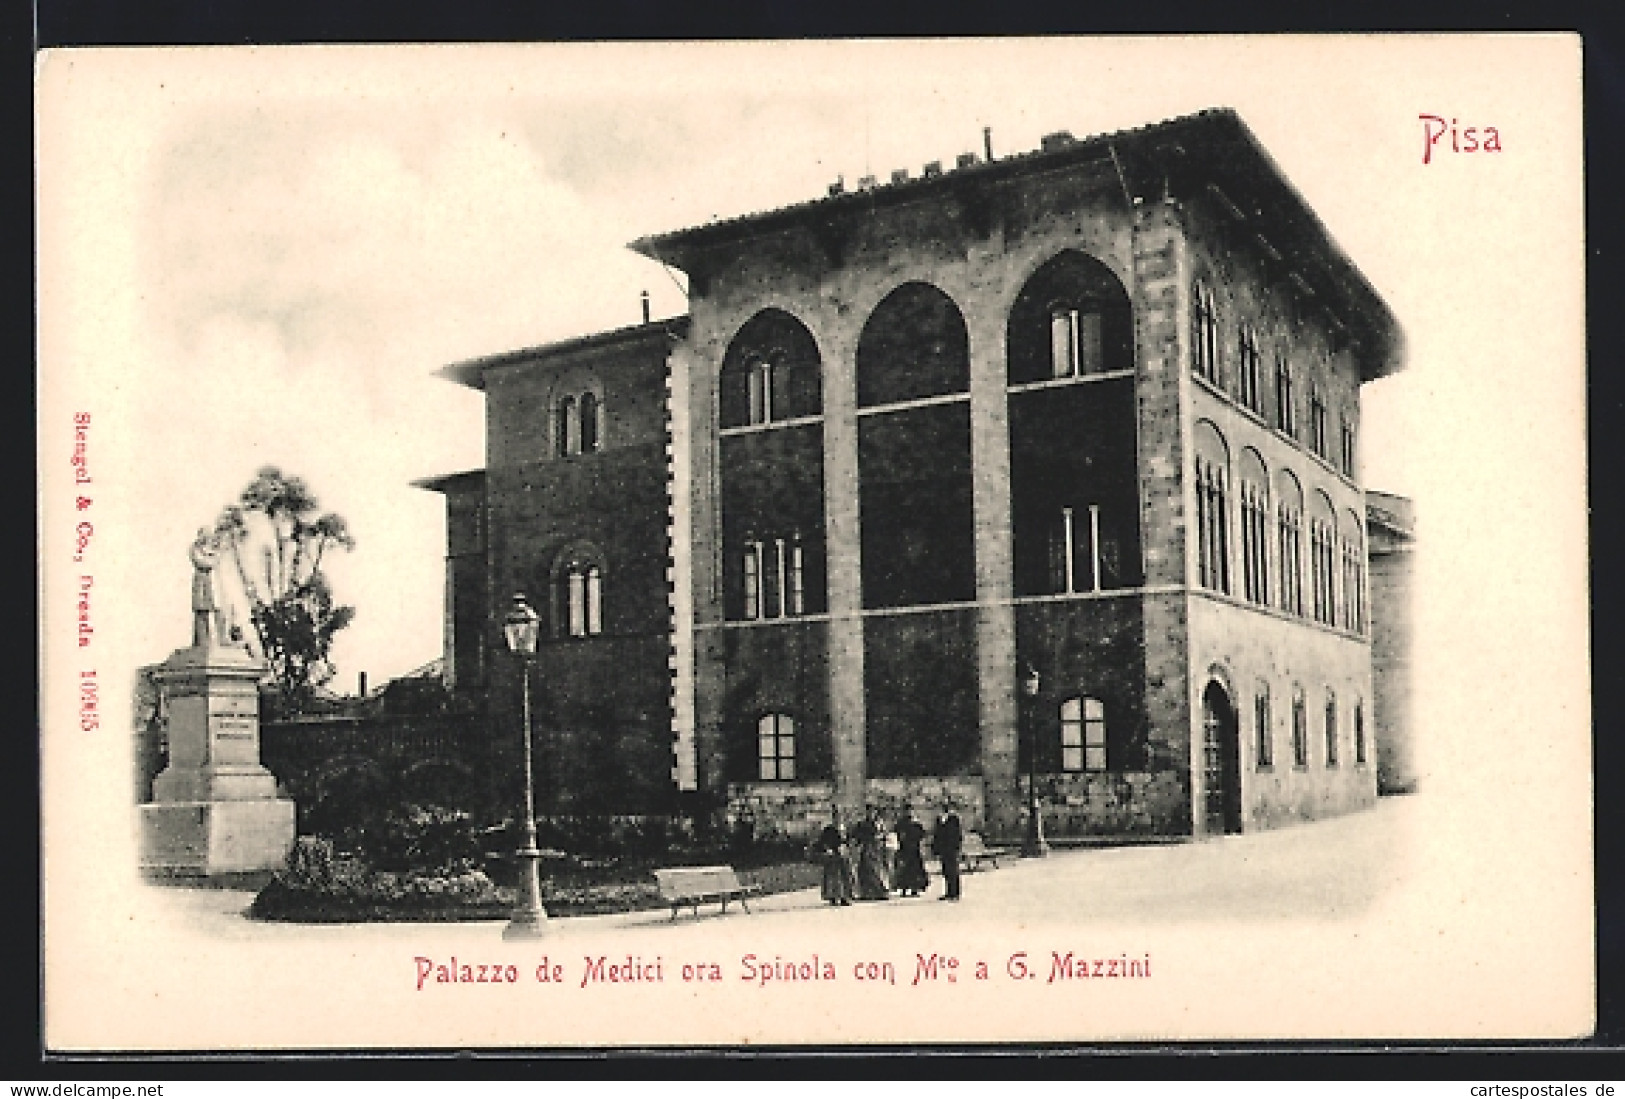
{"points": [[1112, 803], [799, 810]]}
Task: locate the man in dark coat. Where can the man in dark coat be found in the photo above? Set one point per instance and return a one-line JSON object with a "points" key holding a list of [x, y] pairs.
{"points": [[946, 841]]}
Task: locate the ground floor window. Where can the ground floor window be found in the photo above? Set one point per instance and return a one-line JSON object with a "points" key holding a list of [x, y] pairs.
{"points": [[1261, 719], [1083, 735], [1300, 731], [776, 747]]}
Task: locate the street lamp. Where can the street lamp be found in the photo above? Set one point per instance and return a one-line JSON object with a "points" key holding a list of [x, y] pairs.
{"points": [[1034, 847], [519, 629]]}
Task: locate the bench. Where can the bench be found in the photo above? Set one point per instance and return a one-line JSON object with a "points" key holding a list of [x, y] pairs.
{"points": [[696, 885], [974, 852]]}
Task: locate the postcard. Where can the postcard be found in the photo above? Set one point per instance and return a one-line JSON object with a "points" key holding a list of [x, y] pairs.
{"points": [[828, 543]]}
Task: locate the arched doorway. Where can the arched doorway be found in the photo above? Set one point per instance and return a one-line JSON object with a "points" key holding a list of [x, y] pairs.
{"points": [[1221, 768]]}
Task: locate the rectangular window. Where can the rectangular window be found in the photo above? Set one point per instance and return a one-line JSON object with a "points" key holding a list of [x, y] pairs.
{"points": [[1359, 732], [1261, 723], [797, 588], [1317, 423], [753, 579], [577, 599], [1063, 342], [776, 748], [1083, 735], [1346, 433], [1300, 733], [761, 392], [1094, 734], [1331, 732]]}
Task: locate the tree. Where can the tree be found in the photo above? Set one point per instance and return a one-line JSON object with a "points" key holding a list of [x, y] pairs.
{"points": [[277, 539]]}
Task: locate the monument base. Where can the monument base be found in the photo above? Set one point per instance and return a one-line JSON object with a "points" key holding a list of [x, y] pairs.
{"points": [[216, 837]]}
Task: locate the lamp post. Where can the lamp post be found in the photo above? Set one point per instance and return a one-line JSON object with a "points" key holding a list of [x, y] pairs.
{"points": [[1035, 847], [519, 629]]}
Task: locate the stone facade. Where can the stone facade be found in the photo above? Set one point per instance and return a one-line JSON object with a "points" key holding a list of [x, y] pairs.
{"points": [[1391, 521], [1016, 423]]}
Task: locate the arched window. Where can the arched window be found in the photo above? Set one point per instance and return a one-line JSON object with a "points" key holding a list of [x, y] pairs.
{"points": [[1300, 729], [578, 592], [1289, 513], [1080, 560], [567, 428], [1204, 334], [776, 748], [1212, 508], [1346, 443], [591, 423], [1083, 734], [771, 372], [1071, 319], [1286, 417], [914, 345], [1265, 737], [1255, 527], [1352, 544], [1322, 558], [1317, 421], [1331, 729], [1252, 392]]}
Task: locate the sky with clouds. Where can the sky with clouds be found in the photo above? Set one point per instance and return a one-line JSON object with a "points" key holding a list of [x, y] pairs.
{"points": [[267, 253]]}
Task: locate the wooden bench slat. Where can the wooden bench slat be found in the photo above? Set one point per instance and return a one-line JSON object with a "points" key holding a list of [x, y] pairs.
{"points": [[693, 886]]}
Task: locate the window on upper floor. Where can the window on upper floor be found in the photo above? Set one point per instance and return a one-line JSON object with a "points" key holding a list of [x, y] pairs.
{"points": [[578, 592], [1212, 508], [1346, 447], [1317, 422], [1286, 417], [1080, 559], [1289, 534], [1075, 347], [578, 424], [771, 372], [1359, 732], [1083, 734], [774, 576], [1249, 383], [1204, 335], [776, 748], [1255, 528]]}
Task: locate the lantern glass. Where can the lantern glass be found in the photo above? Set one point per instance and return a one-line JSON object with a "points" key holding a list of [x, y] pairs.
{"points": [[520, 627]]}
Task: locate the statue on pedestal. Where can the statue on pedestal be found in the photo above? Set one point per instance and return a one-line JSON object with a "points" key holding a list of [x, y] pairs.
{"points": [[204, 555]]}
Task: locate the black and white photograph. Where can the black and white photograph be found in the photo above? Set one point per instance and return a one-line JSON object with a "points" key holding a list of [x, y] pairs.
{"points": [[814, 543]]}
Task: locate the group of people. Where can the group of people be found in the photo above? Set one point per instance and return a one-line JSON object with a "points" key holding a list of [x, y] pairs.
{"points": [[870, 862]]}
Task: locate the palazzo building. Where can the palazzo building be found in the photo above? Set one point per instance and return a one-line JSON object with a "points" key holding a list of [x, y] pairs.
{"points": [[1052, 453]]}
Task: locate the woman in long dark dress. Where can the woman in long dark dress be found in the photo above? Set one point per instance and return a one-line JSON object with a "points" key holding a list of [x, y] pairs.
{"points": [[912, 878], [837, 886], [870, 841]]}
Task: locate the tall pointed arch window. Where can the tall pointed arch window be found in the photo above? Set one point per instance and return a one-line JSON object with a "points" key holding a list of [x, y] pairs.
{"points": [[1331, 729], [1300, 729], [1249, 384], [1264, 755], [1322, 559]]}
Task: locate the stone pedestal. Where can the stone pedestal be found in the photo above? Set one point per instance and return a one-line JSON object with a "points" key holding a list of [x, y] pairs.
{"points": [[215, 808]]}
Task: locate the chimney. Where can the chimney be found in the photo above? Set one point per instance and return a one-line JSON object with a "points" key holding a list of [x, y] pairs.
{"points": [[645, 299], [838, 187], [361, 684], [987, 143], [899, 175], [866, 183], [1060, 139], [965, 160], [932, 169]]}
